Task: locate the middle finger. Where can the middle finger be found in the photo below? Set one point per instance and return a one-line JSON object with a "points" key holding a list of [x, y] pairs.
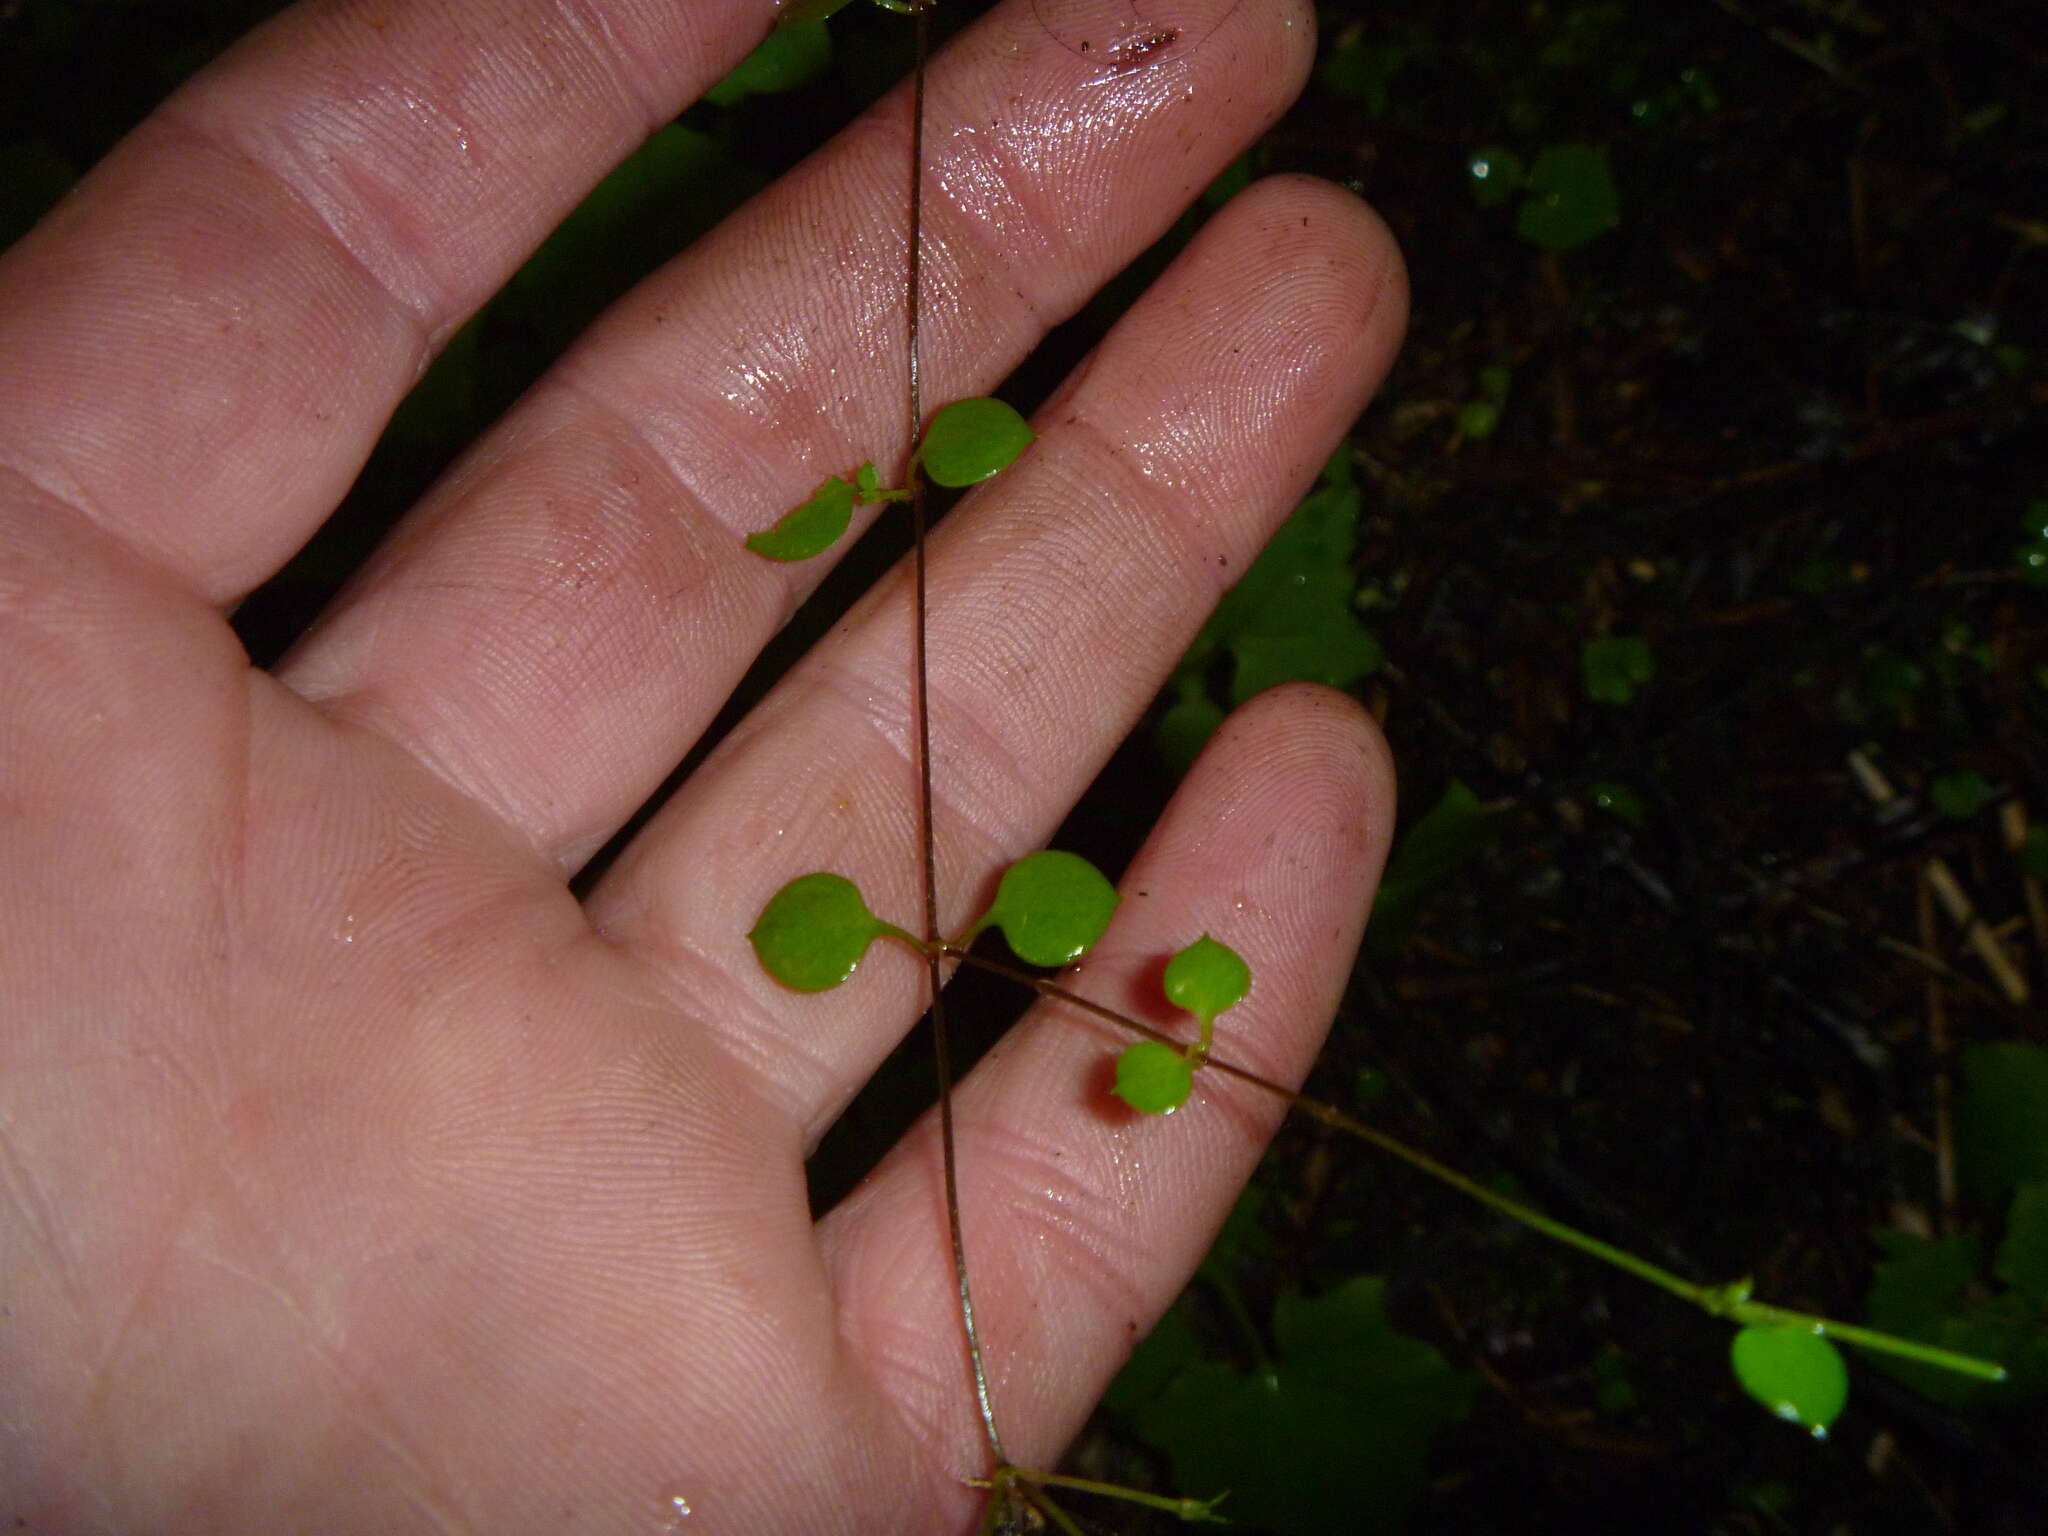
{"points": [[555, 625]]}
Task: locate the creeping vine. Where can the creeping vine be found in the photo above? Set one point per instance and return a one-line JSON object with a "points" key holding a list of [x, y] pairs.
{"points": [[1051, 907]]}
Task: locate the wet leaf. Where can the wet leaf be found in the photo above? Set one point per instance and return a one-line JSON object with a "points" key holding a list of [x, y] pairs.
{"points": [[1206, 978], [1051, 906], [814, 931], [972, 439], [810, 529], [1153, 1078], [1794, 1372]]}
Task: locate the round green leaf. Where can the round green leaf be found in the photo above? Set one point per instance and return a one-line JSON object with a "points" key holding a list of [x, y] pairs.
{"points": [[1571, 198], [1051, 906], [814, 931], [1794, 1372], [1152, 1078], [1206, 978], [971, 439], [811, 528]]}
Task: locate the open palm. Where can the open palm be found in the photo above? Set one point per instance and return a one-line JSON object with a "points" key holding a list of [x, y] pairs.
{"points": [[356, 1177]]}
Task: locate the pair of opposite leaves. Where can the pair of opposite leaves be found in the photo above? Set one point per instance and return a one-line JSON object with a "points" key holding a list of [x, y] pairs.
{"points": [[1050, 906]]}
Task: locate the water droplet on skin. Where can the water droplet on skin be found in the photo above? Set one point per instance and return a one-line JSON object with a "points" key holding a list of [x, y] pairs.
{"points": [[345, 930], [675, 1510]]}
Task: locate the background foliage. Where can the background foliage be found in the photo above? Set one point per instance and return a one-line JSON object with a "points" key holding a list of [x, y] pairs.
{"points": [[1715, 456]]}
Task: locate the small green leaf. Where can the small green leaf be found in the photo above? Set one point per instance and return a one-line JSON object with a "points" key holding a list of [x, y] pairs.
{"points": [[971, 439], [811, 528], [1332, 1435], [1188, 722], [1290, 617], [1615, 666], [1445, 838], [1153, 1078], [867, 482], [1478, 419], [1571, 198], [1961, 794], [1052, 907], [1794, 1372], [1362, 71], [1206, 978], [1337, 652], [814, 931], [1613, 1393]]}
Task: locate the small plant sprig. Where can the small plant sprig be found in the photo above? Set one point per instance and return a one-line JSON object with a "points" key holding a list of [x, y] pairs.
{"points": [[966, 443], [1052, 907]]}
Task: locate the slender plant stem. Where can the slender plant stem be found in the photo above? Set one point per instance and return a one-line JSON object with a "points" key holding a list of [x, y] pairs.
{"points": [[1187, 1509], [942, 1054], [1729, 1301]]}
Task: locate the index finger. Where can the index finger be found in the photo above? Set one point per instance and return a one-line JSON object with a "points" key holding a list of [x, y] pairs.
{"points": [[205, 339]]}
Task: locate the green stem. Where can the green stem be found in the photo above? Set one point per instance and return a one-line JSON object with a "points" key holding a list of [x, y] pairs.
{"points": [[1763, 1314], [1729, 1301]]}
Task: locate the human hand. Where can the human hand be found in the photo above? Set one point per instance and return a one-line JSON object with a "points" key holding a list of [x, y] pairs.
{"points": [[354, 1177]]}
